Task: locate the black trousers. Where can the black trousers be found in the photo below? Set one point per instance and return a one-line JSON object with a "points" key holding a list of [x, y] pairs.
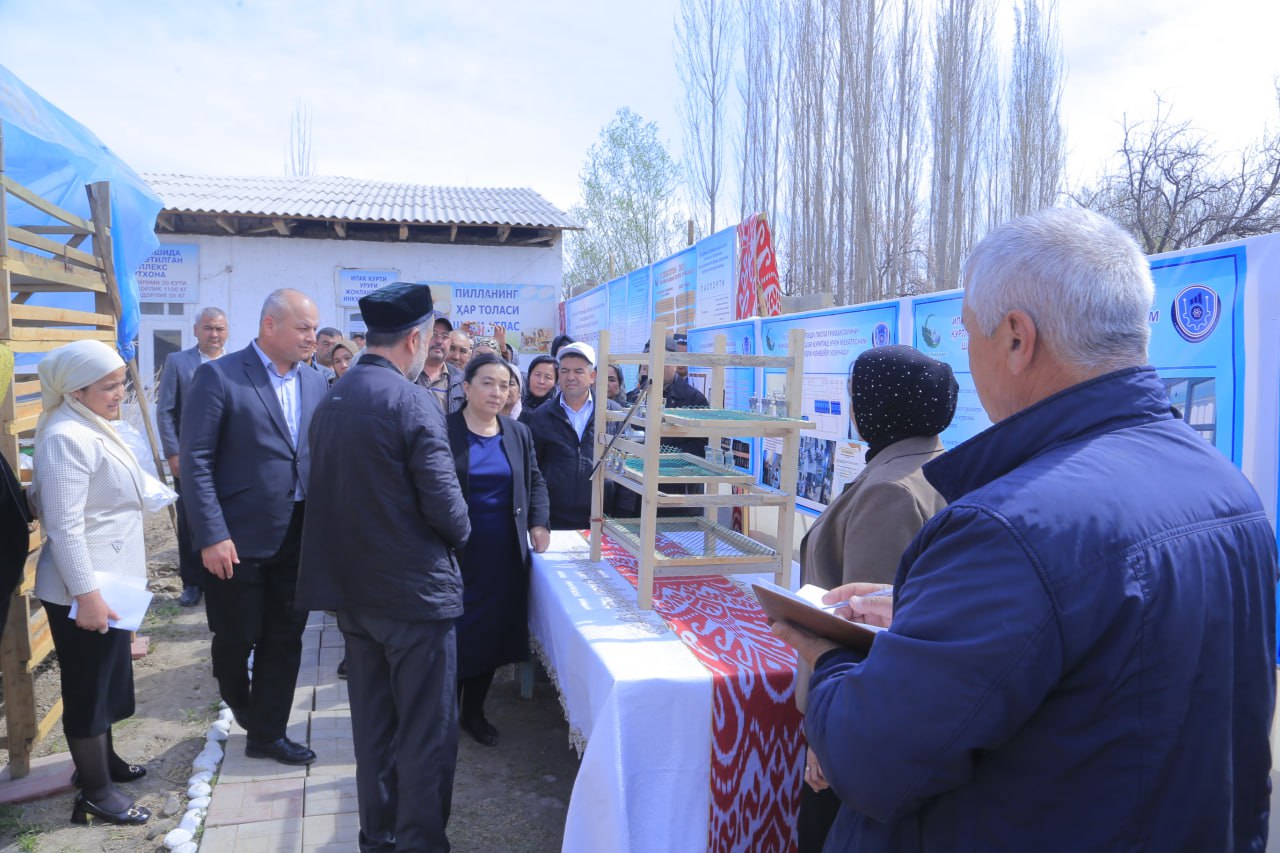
{"points": [[253, 612], [404, 720], [818, 810], [190, 568]]}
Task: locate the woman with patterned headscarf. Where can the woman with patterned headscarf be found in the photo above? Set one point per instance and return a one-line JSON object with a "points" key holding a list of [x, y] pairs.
{"points": [[899, 401], [89, 493]]}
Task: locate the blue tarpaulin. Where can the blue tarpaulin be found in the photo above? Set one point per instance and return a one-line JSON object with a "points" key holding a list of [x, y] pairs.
{"points": [[55, 156]]}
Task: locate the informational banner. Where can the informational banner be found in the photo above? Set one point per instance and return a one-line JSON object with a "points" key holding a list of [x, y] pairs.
{"points": [[171, 274], [832, 454], [587, 314], [354, 283], [938, 332], [675, 290], [740, 383], [639, 314], [713, 302], [1195, 342], [619, 311], [526, 311]]}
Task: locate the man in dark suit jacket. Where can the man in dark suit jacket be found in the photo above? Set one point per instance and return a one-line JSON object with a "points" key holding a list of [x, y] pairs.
{"points": [[175, 383], [382, 551], [243, 455]]}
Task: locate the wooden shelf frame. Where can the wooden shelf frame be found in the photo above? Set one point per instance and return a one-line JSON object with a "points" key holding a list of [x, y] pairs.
{"points": [[660, 423]]}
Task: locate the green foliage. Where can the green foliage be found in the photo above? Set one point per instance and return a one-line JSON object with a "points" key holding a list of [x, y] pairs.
{"points": [[629, 209]]}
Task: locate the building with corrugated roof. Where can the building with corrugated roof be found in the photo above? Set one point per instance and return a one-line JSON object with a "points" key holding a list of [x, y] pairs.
{"points": [[229, 241]]}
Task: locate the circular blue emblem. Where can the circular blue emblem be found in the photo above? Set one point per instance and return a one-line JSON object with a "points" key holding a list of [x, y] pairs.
{"points": [[880, 335], [1195, 312]]}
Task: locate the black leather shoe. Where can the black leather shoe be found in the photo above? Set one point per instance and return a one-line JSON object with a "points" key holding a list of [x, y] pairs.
{"points": [[84, 812], [481, 730], [129, 773], [190, 596], [283, 750], [342, 668]]}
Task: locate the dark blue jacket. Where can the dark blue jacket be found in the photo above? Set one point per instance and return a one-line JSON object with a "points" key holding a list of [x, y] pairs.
{"points": [[1082, 651], [385, 519], [566, 462], [239, 464]]}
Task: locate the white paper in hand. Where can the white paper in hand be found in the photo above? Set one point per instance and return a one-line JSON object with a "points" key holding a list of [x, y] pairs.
{"points": [[128, 597]]}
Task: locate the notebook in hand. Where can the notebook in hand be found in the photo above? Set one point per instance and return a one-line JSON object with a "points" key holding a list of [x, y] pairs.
{"points": [[783, 605]]}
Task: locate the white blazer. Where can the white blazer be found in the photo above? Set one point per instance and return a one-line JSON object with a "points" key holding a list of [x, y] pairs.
{"points": [[90, 509]]}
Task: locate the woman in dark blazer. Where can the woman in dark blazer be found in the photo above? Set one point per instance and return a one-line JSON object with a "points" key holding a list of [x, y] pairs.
{"points": [[508, 507]]}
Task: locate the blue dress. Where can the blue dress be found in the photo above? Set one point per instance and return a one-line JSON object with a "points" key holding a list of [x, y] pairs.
{"points": [[494, 627]]}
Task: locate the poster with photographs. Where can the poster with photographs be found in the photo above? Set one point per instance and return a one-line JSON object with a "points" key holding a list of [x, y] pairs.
{"points": [[831, 454]]}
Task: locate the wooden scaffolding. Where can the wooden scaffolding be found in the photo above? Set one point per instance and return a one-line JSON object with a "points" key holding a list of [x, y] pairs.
{"points": [[683, 546], [46, 258]]}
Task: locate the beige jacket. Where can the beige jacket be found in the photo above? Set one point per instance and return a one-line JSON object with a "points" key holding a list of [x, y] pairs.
{"points": [[863, 532], [90, 509]]}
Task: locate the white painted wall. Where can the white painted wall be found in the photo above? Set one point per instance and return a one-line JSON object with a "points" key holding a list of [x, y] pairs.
{"points": [[236, 274]]}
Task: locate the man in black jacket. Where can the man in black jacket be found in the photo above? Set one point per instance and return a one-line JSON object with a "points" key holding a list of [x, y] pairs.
{"points": [[564, 439], [677, 393], [381, 551]]}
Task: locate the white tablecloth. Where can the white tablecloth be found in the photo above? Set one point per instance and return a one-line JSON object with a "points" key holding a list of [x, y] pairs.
{"points": [[636, 695]]}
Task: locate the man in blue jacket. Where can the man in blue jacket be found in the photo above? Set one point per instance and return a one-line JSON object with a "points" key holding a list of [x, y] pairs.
{"points": [[1081, 645]]}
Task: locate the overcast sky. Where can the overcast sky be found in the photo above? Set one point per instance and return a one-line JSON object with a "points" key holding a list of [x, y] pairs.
{"points": [[502, 93]]}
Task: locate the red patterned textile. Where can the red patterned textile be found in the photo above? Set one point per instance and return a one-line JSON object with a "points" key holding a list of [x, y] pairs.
{"points": [[757, 750], [758, 283]]}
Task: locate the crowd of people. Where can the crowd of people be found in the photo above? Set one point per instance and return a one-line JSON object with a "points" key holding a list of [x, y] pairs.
{"points": [[1082, 607], [431, 437]]}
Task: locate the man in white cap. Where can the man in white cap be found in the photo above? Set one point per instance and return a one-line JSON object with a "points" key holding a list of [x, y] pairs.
{"points": [[564, 438]]}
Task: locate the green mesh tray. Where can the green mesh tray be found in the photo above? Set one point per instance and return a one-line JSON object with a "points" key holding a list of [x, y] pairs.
{"points": [[686, 538], [726, 415], [680, 465]]}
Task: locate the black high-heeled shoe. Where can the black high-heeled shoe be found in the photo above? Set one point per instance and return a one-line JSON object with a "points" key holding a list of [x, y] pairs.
{"points": [[131, 773], [83, 812]]}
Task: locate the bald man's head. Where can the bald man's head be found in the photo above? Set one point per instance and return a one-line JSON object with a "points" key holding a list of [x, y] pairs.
{"points": [[287, 326]]}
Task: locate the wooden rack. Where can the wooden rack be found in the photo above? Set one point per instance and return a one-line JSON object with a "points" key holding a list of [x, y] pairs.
{"points": [[675, 547], [44, 259]]}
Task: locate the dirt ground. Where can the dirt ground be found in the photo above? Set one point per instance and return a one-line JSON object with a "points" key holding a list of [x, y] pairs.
{"points": [[511, 797]]}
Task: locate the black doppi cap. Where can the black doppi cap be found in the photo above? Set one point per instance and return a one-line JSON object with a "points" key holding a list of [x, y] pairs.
{"points": [[396, 307]]}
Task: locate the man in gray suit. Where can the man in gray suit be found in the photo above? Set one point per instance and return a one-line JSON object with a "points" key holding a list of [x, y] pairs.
{"points": [[244, 459], [381, 550], [438, 376], [175, 383]]}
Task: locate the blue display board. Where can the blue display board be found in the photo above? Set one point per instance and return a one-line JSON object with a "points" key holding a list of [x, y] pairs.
{"points": [[1197, 341], [674, 287], [830, 455], [937, 331]]}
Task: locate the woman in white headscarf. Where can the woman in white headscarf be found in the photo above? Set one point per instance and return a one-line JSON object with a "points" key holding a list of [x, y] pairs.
{"points": [[89, 492]]}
